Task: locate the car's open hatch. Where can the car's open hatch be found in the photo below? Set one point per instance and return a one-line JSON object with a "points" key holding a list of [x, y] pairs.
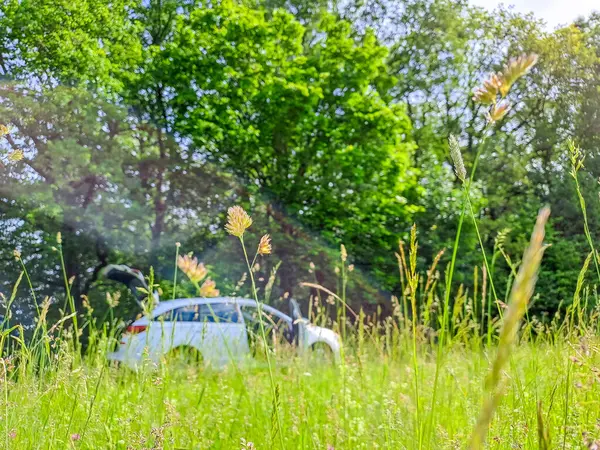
{"points": [[132, 278], [295, 310]]}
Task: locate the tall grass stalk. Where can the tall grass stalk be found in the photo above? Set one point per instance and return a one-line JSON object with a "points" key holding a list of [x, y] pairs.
{"points": [[467, 183], [69, 297], [274, 388], [483, 252], [575, 308], [576, 158], [177, 245], [28, 279], [413, 282], [343, 257], [521, 292]]}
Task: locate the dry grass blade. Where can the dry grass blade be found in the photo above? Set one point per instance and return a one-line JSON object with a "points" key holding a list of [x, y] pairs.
{"points": [[519, 298], [543, 433], [328, 292]]}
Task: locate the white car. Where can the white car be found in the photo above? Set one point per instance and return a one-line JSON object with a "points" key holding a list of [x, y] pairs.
{"points": [[218, 330]]}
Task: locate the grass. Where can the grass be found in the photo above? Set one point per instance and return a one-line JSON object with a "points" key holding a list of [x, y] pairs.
{"points": [[92, 406]]}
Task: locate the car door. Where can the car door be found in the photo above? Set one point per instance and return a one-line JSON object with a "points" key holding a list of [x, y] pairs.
{"points": [[175, 328], [223, 335], [278, 330]]}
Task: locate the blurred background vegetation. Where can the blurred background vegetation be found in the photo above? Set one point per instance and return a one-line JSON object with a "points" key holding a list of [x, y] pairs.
{"points": [[140, 122]]}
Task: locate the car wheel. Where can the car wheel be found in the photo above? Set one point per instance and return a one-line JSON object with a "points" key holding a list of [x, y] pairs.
{"points": [[321, 353], [184, 356]]}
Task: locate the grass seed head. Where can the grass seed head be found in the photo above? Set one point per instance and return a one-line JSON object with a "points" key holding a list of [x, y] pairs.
{"points": [[457, 159], [113, 299], [16, 156], [264, 246], [487, 93], [576, 157], [515, 69], [498, 111], [521, 293], [194, 270], [238, 221], [209, 289]]}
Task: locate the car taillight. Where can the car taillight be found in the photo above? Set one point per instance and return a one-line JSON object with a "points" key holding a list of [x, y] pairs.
{"points": [[135, 329]]}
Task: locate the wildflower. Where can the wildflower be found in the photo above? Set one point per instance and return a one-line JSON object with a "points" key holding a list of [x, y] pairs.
{"points": [[17, 254], [3, 130], [344, 253], [16, 156], [177, 244], [194, 271], [498, 111], [247, 445], [350, 267], [75, 436], [208, 289], [59, 238], [455, 154], [238, 221], [264, 246]]}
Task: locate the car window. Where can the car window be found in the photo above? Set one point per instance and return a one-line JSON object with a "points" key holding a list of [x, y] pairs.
{"points": [[250, 314], [277, 328], [208, 312]]}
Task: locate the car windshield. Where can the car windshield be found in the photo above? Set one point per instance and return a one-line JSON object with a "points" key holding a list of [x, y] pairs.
{"points": [[270, 317]]}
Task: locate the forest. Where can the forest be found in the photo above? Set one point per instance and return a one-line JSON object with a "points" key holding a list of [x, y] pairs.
{"points": [[132, 126]]}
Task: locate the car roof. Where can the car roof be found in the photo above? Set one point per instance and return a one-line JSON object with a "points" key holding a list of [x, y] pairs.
{"points": [[168, 305]]}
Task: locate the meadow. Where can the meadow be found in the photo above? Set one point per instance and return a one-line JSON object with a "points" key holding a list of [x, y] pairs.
{"points": [[371, 404], [401, 382], [376, 398]]}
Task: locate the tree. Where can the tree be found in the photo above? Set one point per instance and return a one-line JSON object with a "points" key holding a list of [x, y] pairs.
{"points": [[89, 171], [305, 126]]}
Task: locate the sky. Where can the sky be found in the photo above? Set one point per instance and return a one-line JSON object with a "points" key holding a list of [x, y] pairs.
{"points": [[554, 12]]}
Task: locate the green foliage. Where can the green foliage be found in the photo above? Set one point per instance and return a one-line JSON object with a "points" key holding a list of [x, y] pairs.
{"points": [[301, 125], [140, 122], [94, 42]]}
